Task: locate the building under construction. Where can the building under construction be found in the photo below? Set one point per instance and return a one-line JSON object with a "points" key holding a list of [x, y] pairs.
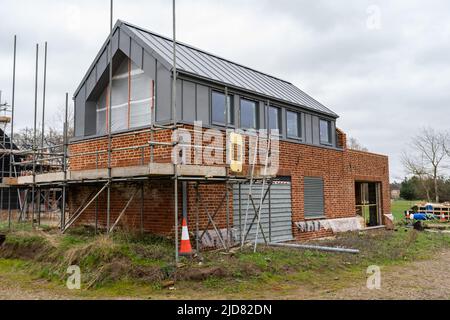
{"points": [[141, 161]]}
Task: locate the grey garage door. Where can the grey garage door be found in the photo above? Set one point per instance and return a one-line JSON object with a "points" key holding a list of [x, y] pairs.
{"points": [[277, 224]]}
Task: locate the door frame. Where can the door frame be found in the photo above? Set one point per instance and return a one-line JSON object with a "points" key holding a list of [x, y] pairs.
{"points": [[367, 205]]}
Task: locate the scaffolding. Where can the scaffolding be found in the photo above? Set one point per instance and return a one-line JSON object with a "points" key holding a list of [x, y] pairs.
{"points": [[45, 171]]}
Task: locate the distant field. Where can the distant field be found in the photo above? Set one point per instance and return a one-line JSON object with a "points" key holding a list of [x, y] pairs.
{"points": [[398, 207]]}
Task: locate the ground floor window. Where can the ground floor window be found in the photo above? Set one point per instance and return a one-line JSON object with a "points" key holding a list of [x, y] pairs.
{"points": [[314, 197]]}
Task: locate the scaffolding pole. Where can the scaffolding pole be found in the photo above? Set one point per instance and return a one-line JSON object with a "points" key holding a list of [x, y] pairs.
{"points": [[33, 196], [174, 119], [108, 197], [64, 186], [11, 156], [44, 88]]}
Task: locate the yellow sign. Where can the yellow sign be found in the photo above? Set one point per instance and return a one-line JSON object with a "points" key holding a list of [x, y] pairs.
{"points": [[238, 141]]}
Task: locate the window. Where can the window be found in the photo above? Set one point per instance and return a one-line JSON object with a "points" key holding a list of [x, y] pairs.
{"points": [[119, 105], [293, 120], [101, 113], [248, 114], [274, 115], [219, 111], [132, 99], [325, 131], [141, 98], [314, 197]]}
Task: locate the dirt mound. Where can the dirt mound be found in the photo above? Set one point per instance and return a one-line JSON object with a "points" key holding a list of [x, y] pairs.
{"points": [[197, 274], [30, 248]]}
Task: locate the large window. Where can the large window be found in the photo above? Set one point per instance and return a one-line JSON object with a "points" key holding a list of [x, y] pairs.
{"points": [[293, 120], [249, 114], [274, 115], [141, 97], [132, 99], [325, 131], [219, 111]]}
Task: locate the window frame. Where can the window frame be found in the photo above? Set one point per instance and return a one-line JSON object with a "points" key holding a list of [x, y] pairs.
{"points": [[299, 125], [328, 142], [279, 120], [232, 121], [257, 122]]}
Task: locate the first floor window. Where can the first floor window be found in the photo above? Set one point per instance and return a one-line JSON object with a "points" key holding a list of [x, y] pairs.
{"points": [[221, 108], [293, 124], [248, 114], [325, 131], [131, 100], [274, 118]]}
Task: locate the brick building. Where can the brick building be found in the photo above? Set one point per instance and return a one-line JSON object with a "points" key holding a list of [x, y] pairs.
{"points": [[320, 187]]}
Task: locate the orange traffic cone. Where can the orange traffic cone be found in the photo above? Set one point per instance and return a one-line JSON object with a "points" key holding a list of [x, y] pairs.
{"points": [[185, 248], [443, 218]]}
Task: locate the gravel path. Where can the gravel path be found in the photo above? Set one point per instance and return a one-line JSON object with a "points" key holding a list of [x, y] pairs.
{"points": [[420, 280]]}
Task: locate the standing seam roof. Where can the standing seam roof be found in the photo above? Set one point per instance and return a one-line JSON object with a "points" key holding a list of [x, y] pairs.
{"points": [[206, 65]]}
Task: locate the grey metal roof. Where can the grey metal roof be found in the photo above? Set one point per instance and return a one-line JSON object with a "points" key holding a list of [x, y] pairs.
{"points": [[198, 62]]}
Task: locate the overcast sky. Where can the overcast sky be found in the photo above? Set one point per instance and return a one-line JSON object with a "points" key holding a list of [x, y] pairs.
{"points": [[383, 66]]}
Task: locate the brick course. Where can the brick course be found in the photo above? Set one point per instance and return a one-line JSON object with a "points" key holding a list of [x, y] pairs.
{"points": [[339, 169]]}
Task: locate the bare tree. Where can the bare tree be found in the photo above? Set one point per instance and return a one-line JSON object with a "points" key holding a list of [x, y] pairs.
{"points": [[426, 159], [417, 168], [354, 144]]}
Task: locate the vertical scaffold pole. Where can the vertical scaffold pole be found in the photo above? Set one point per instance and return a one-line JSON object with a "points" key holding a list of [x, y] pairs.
{"points": [[11, 157], [174, 118], [43, 97], [65, 145], [33, 196], [108, 200]]}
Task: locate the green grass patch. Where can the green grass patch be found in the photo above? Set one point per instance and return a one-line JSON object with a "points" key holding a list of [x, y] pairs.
{"points": [[138, 266], [398, 208]]}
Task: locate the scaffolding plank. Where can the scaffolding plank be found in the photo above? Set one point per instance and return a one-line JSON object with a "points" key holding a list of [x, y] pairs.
{"points": [[154, 169]]}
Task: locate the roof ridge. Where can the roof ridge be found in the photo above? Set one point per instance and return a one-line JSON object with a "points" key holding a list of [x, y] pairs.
{"points": [[201, 50]]}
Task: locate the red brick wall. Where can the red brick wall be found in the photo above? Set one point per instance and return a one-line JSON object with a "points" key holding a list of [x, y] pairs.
{"points": [[339, 169]]}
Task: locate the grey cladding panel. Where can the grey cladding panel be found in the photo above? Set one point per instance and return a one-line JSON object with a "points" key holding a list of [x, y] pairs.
{"points": [[308, 128], [91, 82], [179, 105], [102, 63], [163, 108], [80, 106], [136, 57], [262, 115], [314, 197], [203, 104], [115, 42], [90, 119], [188, 101], [315, 130], [150, 65], [124, 43]]}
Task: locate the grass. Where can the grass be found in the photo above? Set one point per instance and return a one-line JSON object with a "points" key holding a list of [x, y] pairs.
{"points": [[133, 266], [398, 208]]}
